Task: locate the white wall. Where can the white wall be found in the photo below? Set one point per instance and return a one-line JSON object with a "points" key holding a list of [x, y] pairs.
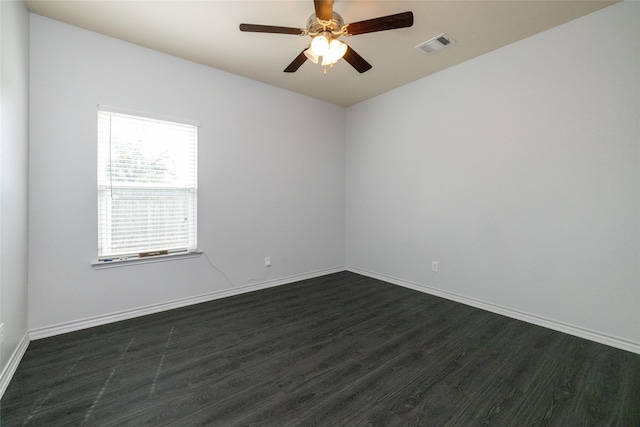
{"points": [[14, 134], [518, 171], [267, 185]]}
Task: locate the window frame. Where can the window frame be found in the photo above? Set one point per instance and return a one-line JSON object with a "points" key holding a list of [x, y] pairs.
{"points": [[190, 195]]}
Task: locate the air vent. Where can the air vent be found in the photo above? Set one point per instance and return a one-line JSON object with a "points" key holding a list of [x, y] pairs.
{"points": [[435, 44]]}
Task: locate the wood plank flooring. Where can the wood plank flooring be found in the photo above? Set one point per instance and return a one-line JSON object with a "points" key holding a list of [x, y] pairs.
{"points": [[339, 350]]}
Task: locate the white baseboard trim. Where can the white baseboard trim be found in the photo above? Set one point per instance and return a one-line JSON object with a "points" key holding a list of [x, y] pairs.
{"points": [[62, 328], [598, 337], [12, 365]]}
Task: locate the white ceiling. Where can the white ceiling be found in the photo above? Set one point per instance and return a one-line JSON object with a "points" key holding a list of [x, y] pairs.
{"points": [[207, 32]]}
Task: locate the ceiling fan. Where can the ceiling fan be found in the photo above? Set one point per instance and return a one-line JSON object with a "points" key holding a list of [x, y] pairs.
{"points": [[325, 27]]}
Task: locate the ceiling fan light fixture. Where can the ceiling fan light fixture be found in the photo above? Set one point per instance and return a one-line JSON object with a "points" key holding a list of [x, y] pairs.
{"points": [[325, 50]]}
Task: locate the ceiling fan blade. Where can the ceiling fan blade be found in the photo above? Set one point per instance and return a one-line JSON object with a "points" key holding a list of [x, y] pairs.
{"points": [[356, 61], [324, 9], [391, 22], [254, 28], [293, 67]]}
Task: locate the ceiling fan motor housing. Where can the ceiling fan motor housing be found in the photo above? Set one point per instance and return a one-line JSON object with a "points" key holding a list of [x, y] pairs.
{"points": [[315, 25]]}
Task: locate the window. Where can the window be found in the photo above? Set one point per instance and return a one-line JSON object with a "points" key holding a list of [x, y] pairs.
{"points": [[147, 186]]}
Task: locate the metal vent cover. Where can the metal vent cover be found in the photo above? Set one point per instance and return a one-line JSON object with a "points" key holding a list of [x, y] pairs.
{"points": [[435, 44]]}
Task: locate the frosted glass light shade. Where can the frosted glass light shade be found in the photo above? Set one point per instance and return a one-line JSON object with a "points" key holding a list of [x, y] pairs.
{"points": [[337, 49], [311, 55], [320, 45]]}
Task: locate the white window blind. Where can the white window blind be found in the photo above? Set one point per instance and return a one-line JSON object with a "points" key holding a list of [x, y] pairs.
{"points": [[147, 185]]}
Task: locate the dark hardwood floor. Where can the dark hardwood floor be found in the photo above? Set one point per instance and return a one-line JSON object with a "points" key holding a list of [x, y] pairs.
{"points": [[339, 350]]}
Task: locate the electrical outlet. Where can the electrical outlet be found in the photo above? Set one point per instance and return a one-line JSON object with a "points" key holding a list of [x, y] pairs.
{"points": [[267, 261], [434, 266]]}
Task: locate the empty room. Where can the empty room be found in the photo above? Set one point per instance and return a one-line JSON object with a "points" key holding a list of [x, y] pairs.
{"points": [[336, 213]]}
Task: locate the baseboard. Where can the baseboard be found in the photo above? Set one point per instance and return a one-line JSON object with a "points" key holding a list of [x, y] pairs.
{"points": [[14, 361], [63, 328], [595, 336]]}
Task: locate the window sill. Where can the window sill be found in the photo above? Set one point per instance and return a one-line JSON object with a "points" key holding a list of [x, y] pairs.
{"points": [[99, 265]]}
